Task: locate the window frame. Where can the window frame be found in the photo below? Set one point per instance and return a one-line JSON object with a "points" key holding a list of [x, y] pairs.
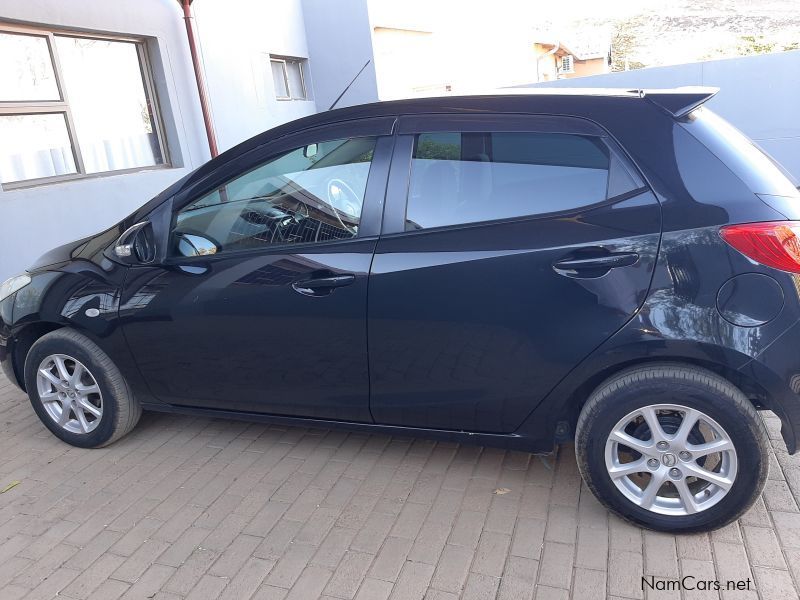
{"points": [[380, 128], [409, 126], [62, 106], [284, 60]]}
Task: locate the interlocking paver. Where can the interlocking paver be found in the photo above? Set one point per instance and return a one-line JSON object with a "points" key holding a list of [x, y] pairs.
{"points": [[592, 549], [698, 571], [763, 549], [625, 569], [349, 574], [773, 585], [556, 566], [660, 555], [390, 559], [480, 587], [453, 568], [413, 582], [190, 508], [90, 579]]}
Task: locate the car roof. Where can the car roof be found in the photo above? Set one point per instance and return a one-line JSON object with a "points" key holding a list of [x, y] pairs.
{"points": [[580, 102], [542, 100]]}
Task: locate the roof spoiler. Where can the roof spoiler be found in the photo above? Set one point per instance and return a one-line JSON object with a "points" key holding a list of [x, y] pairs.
{"points": [[679, 102]]}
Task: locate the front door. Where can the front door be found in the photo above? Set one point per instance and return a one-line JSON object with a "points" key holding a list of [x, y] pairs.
{"points": [[261, 304], [512, 247]]}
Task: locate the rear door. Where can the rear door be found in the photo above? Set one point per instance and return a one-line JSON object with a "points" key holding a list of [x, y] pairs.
{"points": [[512, 246]]}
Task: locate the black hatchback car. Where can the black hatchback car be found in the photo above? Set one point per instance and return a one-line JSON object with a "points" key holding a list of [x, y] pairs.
{"points": [[617, 267]]}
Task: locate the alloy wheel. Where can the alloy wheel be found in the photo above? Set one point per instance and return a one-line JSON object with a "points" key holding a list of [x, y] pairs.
{"points": [[671, 459], [69, 393]]}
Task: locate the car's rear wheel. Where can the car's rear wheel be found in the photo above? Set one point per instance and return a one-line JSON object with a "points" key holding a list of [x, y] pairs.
{"points": [[77, 391], [672, 448]]}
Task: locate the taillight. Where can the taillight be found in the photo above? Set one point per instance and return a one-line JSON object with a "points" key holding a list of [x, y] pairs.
{"points": [[775, 244]]}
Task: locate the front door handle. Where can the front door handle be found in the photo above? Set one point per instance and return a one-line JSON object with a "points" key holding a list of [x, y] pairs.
{"points": [[322, 286], [594, 266]]}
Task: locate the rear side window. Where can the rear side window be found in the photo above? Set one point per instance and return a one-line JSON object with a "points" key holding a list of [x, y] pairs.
{"points": [[461, 178]]}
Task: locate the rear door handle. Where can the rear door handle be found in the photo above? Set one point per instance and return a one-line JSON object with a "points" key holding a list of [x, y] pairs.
{"points": [[322, 286], [595, 265]]}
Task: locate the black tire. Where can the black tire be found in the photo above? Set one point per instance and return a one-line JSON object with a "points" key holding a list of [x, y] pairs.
{"points": [[688, 386], [121, 411]]}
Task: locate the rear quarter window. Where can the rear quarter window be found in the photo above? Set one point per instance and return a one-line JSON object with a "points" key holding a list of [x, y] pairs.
{"points": [[757, 169]]}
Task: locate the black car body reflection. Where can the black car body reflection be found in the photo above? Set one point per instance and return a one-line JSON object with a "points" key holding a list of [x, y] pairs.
{"points": [[329, 298]]}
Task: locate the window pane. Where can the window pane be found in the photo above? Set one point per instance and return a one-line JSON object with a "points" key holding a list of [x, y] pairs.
{"points": [[281, 91], [26, 71], [33, 146], [113, 120], [296, 87], [470, 177], [311, 194]]}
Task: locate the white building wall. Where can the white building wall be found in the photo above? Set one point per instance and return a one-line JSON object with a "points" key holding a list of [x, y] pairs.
{"points": [[339, 35], [236, 38], [760, 95]]}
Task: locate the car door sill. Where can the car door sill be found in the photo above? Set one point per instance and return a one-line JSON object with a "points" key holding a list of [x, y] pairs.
{"points": [[509, 441]]}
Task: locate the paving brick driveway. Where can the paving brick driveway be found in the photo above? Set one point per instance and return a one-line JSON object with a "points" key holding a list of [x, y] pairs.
{"points": [[201, 508]]}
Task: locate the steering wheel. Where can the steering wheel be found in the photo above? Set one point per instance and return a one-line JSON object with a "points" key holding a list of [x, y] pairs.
{"points": [[342, 197]]}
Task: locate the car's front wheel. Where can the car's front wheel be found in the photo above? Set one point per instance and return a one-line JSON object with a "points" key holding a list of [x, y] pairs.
{"points": [[672, 447], [77, 391]]}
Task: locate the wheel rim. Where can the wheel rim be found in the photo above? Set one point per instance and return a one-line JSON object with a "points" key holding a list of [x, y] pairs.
{"points": [[69, 393], [671, 459]]}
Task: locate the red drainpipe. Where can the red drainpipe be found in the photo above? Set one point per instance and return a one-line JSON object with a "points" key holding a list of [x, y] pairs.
{"points": [[199, 77]]}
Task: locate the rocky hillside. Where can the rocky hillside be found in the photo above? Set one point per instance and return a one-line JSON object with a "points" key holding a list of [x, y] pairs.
{"points": [[660, 32]]}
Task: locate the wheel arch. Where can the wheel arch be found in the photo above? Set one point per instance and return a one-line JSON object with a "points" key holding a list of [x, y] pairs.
{"points": [[21, 343], [754, 391], [559, 411]]}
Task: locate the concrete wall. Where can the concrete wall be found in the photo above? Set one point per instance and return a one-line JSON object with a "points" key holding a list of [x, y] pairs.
{"points": [[236, 38], [339, 38], [760, 95]]}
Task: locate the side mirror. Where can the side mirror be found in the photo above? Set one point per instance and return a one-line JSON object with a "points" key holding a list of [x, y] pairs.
{"points": [[190, 245], [137, 244]]}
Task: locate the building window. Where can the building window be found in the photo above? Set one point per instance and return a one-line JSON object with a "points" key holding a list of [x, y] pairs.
{"points": [[567, 65], [73, 105], [289, 79]]}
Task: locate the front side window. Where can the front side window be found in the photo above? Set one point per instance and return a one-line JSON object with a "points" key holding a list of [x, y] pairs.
{"points": [[72, 105], [311, 194], [461, 178]]}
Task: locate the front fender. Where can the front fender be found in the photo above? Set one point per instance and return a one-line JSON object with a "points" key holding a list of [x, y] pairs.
{"points": [[79, 295]]}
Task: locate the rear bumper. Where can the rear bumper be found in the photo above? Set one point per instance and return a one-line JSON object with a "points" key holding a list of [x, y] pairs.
{"points": [[777, 369]]}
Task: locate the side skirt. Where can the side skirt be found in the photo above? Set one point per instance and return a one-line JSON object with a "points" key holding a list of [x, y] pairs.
{"points": [[508, 441]]}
